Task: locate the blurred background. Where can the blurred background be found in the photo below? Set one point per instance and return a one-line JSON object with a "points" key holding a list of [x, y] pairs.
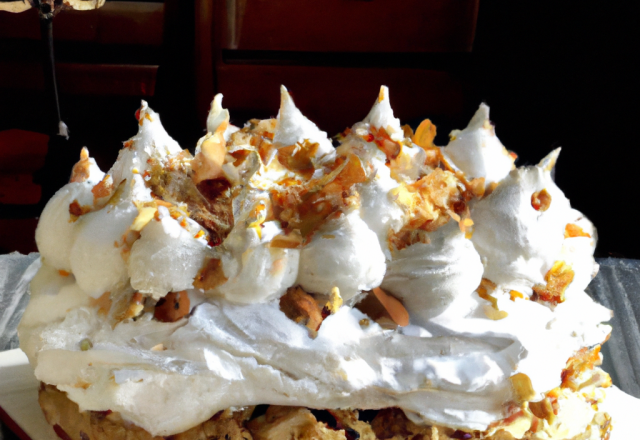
{"points": [[554, 73]]}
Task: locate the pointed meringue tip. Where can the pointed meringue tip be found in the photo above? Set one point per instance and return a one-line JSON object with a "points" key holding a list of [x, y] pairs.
{"points": [[550, 160], [384, 94], [285, 97], [381, 110], [216, 104], [480, 116], [217, 114]]}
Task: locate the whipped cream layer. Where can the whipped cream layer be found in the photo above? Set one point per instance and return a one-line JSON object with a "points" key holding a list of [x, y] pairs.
{"points": [[489, 260]]}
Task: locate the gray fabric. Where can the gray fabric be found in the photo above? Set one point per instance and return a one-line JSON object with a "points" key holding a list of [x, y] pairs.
{"points": [[617, 287], [16, 271]]}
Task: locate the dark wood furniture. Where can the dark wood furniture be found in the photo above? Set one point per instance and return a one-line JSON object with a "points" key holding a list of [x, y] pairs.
{"points": [[334, 55]]}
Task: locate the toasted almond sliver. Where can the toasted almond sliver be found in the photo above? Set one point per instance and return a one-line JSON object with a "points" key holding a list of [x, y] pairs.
{"points": [[395, 308], [494, 314], [522, 387], [335, 301], [145, 215], [425, 134]]}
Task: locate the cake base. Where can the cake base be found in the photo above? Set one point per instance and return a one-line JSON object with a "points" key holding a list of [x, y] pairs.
{"points": [[256, 423]]}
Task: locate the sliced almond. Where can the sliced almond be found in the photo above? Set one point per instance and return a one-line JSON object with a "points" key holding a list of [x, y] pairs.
{"points": [[335, 301], [494, 314], [146, 212], [395, 308], [522, 387], [425, 134]]}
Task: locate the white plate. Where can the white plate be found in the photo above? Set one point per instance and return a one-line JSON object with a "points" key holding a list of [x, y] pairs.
{"points": [[19, 395]]}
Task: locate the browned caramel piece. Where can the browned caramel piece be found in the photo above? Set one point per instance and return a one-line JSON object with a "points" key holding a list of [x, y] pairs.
{"points": [[291, 423], [541, 200], [210, 275], [172, 307], [299, 157], [558, 279], [584, 360], [382, 139], [103, 188], [306, 207], [208, 203], [302, 308], [572, 230], [76, 210]]}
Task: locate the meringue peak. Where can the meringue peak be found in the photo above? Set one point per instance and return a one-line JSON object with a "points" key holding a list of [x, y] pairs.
{"points": [[480, 117], [477, 151], [381, 114], [217, 114], [549, 161], [293, 127]]}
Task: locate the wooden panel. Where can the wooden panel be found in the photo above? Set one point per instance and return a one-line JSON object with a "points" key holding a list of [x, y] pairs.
{"points": [[17, 235], [107, 79], [84, 79], [203, 55], [334, 97], [133, 23], [22, 151], [19, 189], [348, 25]]}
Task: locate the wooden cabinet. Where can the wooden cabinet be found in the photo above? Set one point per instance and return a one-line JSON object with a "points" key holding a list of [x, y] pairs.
{"points": [[348, 25], [333, 55]]}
